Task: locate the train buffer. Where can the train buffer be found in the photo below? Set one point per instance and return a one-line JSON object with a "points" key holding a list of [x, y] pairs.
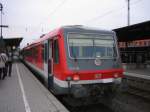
{"points": [[22, 92]]}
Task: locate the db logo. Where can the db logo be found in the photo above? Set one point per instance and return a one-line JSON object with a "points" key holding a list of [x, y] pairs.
{"points": [[98, 62]]}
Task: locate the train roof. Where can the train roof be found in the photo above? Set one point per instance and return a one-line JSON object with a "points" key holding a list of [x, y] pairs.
{"points": [[43, 37], [85, 28], [70, 28]]}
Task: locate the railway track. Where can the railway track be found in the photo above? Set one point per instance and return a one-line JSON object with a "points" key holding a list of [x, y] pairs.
{"points": [[123, 102], [135, 96], [126, 102], [91, 108], [140, 93]]}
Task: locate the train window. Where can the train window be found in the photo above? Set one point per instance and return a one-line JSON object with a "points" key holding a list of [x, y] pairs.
{"points": [[28, 53], [45, 52], [91, 46], [50, 49], [56, 52], [34, 52], [42, 50]]}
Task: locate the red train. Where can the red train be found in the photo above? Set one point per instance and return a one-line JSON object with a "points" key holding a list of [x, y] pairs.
{"points": [[76, 60]]}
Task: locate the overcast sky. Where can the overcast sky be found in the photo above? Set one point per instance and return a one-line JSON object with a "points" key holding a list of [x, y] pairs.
{"points": [[31, 18]]}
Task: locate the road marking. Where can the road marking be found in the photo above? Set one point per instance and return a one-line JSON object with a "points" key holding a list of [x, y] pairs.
{"points": [[26, 104]]}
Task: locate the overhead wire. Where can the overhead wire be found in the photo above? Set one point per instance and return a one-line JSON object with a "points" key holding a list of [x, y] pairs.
{"points": [[50, 14], [109, 12], [53, 12], [89, 21]]}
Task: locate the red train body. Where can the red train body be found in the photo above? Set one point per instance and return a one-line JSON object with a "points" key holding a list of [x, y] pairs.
{"points": [[76, 60]]}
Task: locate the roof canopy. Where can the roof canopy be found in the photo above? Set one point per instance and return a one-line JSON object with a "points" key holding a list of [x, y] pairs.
{"points": [[134, 32], [12, 41]]}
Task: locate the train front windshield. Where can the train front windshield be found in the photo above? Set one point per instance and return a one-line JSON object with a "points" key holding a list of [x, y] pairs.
{"points": [[86, 46]]}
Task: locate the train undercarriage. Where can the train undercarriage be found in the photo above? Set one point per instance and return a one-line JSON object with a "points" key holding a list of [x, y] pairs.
{"points": [[91, 94]]}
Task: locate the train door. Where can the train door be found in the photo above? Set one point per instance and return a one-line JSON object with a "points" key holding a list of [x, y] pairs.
{"points": [[53, 60], [46, 55], [50, 64], [56, 61]]}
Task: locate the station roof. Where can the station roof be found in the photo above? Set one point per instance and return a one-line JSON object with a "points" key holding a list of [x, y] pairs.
{"points": [[138, 31], [13, 41]]}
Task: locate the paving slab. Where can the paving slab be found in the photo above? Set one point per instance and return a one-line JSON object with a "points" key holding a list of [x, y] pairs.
{"points": [[22, 92]]}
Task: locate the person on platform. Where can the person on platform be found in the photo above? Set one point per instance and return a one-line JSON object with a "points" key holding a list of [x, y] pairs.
{"points": [[9, 64], [3, 60]]}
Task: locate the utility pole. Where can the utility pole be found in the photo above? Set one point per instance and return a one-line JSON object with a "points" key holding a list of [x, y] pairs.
{"points": [[1, 9], [128, 17], [2, 26], [2, 43]]}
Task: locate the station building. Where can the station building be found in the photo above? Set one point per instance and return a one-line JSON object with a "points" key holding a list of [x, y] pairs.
{"points": [[134, 44]]}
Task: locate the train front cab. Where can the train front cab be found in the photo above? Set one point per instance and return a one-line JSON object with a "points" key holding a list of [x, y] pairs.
{"points": [[82, 62]]}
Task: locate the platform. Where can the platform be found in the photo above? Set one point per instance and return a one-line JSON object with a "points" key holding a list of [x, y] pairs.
{"points": [[22, 92], [140, 73]]}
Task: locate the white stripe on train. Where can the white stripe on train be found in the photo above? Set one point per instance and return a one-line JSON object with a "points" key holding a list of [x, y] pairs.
{"points": [[64, 84]]}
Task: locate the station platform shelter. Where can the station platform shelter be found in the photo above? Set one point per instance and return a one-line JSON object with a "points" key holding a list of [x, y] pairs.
{"points": [[134, 44], [11, 45]]}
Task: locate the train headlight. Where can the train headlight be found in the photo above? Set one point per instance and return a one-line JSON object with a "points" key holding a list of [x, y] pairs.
{"points": [[76, 78], [116, 75]]}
